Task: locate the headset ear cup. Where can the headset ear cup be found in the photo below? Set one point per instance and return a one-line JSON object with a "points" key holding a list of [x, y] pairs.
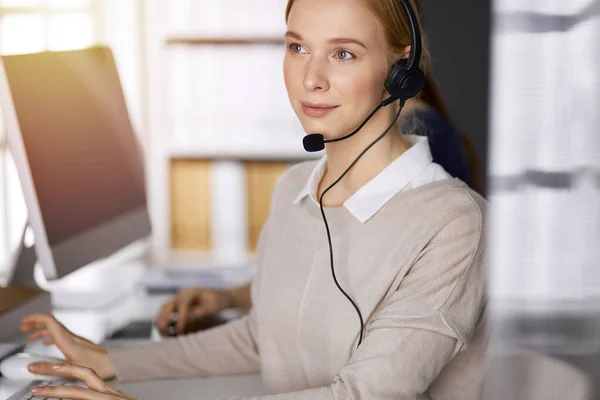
{"points": [[393, 81], [403, 83], [412, 82]]}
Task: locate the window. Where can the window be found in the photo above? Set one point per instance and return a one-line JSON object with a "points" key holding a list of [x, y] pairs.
{"points": [[29, 26]]}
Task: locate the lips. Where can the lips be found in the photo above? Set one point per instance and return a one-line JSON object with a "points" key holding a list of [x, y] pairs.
{"points": [[316, 110]]}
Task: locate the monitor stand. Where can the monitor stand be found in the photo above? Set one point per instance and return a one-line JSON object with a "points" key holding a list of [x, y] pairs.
{"points": [[93, 286], [23, 265]]}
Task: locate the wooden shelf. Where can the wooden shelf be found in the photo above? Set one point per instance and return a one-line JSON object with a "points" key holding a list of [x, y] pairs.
{"points": [[196, 40]]}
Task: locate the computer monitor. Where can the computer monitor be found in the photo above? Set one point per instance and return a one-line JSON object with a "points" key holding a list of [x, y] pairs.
{"points": [[80, 164]]}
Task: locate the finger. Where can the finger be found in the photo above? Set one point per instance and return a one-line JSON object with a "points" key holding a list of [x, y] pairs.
{"points": [[120, 395], [56, 331], [48, 342], [68, 392], [36, 319], [43, 321], [38, 334], [88, 375], [200, 312], [183, 309], [165, 331], [29, 325], [164, 316], [42, 368]]}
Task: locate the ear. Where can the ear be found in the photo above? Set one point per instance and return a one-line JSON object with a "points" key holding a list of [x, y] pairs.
{"points": [[406, 52], [401, 55]]}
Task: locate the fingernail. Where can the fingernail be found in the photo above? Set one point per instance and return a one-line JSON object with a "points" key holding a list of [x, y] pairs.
{"points": [[57, 366], [34, 368], [36, 389]]}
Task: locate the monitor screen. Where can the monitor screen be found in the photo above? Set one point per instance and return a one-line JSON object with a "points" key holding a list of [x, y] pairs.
{"points": [[85, 161]]}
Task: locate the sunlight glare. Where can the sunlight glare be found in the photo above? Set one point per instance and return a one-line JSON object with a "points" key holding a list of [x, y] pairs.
{"points": [[21, 33], [68, 31]]}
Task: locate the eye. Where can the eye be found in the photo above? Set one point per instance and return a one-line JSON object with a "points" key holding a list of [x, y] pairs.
{"points": [[345, 55], [296, 48]]}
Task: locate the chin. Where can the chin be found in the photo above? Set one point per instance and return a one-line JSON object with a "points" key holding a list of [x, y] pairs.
{"points": [[329, 131]]}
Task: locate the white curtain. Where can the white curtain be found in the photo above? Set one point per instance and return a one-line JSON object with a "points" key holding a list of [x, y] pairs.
{"points": [[544, 177]]}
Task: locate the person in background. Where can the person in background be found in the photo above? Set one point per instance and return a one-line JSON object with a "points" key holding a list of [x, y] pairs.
{"points": [[408, 243], [195, 308]]}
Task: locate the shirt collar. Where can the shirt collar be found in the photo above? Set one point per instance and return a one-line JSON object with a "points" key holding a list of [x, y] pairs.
{"points": [[378, 191], [311, 187]]}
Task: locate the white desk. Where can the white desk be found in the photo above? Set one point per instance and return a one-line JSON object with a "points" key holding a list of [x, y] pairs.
{"points": [[174, 389], [96, 325]]}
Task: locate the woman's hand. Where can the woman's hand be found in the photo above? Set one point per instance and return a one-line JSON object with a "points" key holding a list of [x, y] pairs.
{"points": [[191, 305], [76, 349], [96, 389]]}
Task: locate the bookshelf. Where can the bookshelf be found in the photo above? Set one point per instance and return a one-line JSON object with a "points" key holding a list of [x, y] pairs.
{"points": [[221, 125]]}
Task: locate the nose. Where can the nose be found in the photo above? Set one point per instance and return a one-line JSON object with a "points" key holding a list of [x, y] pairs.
{"points": [[315, 78]]}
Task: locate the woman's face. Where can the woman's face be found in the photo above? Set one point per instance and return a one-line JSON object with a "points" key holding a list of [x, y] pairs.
{"points": [[335, 64]]}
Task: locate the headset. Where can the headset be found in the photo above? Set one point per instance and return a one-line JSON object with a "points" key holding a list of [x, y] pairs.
{"points": [[404, 81]]}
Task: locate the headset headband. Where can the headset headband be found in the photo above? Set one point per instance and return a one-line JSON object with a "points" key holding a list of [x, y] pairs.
{"points": [[415, 37]]}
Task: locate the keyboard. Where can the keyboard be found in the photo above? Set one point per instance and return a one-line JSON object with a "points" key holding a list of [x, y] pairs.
{"points": [[25, 393]]}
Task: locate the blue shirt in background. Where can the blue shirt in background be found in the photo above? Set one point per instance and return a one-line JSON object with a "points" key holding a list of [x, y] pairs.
{"points": [[444, 142]]}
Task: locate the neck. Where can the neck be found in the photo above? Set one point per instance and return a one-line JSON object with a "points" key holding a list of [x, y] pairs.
{"points": [[341, 154]]}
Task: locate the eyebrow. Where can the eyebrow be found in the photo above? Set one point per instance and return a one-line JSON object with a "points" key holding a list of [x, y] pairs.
{"points": [[338, 40]]}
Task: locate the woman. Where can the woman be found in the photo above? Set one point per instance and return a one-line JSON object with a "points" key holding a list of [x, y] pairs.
{"points": [[427, 115], [408, 245]]}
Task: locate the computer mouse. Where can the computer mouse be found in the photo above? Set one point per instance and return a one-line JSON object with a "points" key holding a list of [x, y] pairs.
{"points": [[15, 367]]}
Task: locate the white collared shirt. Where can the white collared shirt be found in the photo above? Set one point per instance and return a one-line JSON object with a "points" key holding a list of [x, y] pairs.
{"points": [[413, 168]]}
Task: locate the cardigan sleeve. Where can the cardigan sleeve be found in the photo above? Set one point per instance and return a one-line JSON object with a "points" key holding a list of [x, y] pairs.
{"points": [[231, 348]]}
